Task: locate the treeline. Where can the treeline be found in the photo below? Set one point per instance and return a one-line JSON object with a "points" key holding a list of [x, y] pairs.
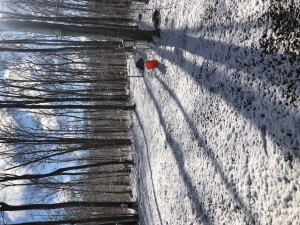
{"points": [[65, 135]]}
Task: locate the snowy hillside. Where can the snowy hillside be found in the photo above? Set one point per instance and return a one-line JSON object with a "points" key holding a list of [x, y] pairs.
{"points": [[217, 127]]}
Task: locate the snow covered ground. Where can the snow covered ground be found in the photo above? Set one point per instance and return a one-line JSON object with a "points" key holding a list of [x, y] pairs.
{"points": [[217, 127]]}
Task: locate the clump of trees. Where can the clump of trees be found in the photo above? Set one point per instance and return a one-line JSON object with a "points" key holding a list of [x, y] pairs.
{"points": [[65, 136]]}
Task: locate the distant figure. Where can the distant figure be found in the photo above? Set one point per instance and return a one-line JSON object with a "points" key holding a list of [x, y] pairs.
{"points": [[140, 64], [156, 19], [128, 3], [140, 16]]}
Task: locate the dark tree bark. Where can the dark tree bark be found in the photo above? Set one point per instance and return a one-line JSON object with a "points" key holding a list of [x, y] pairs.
{"points": [[70, 30], [60, 172], [125, 220], [66, 106], [6, 207]]}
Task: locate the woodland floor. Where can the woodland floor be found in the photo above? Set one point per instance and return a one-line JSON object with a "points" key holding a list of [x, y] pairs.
{"points": [[217, 126]]}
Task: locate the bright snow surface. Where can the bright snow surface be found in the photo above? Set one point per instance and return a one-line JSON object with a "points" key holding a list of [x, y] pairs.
{"points": [[217, 126]]}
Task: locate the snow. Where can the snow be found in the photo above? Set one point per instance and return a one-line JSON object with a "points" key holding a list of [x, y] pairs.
{"points": [[217, 126]]}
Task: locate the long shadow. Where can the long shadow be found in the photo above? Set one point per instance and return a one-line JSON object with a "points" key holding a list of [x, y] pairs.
{"points": [[244, 68], [209, 153], [245, 59], [179, 156], [145, 155]]}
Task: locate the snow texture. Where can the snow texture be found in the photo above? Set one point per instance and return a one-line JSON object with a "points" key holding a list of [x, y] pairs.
{"points": [[217, 126]]}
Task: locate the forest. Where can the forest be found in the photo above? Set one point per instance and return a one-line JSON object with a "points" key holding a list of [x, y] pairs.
{"points": [[65, 139]]}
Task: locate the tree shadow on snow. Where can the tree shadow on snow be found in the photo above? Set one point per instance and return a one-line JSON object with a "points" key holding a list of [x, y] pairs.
{"points": [[162, 68], [178, 154], [142, 186], [244, 68], [177, 151]]}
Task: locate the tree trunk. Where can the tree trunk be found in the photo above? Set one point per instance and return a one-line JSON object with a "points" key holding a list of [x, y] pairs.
{"points": [[60, 172], [67, 106], [73, 30], [101, 221], [5, 207]]}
